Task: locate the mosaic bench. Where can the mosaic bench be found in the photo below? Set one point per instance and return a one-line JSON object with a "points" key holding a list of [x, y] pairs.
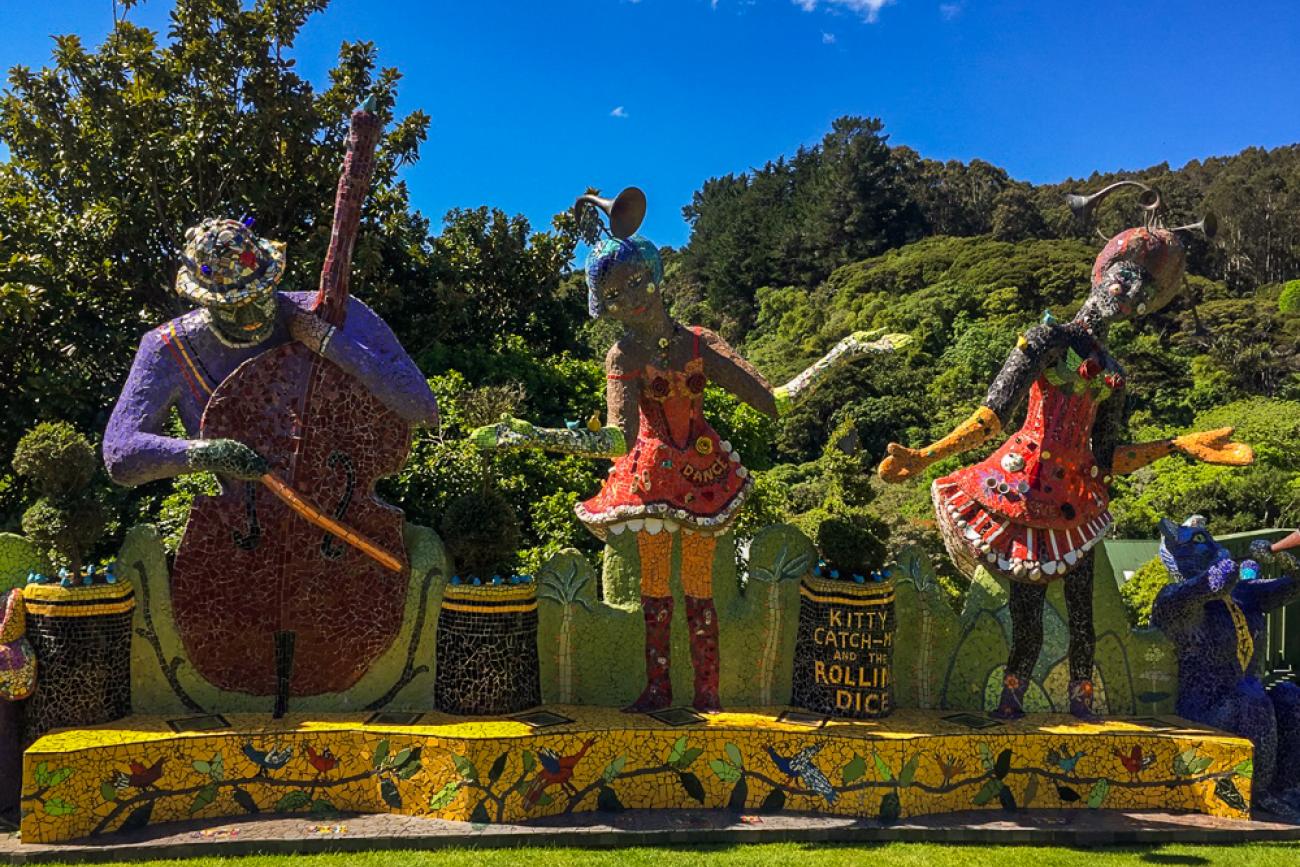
{"points": [[565, 759]]}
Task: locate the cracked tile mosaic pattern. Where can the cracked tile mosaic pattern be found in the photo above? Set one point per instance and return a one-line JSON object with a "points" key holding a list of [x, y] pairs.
{"points": [[487, 650], [140, 772], [844, 649]]}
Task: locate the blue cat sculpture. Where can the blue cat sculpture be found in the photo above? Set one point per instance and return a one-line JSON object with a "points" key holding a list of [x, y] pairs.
{"points": [[1214, 614]]}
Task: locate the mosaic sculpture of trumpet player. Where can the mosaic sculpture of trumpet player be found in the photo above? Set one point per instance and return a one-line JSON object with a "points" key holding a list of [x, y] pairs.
{"points": [[1033, 510], [673, 476]]}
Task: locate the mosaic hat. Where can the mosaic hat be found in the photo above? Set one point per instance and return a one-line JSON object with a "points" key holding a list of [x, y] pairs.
{"points": [[224, 264]]}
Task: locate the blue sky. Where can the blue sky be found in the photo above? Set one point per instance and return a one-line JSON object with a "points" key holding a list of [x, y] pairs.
{"points": [[533, 101]]}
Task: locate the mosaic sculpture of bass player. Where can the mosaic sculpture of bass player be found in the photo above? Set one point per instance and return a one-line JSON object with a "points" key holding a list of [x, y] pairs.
{"points": [[674, 477], [1214, 613], [1033, 510], [298, 401]]}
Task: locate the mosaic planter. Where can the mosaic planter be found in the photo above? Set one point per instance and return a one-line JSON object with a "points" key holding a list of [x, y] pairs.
{"points": [[82, 638], [487, 650], [844, 650]]}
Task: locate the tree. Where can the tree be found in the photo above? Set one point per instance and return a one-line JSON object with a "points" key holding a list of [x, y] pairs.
{"points": [[113, 152]]}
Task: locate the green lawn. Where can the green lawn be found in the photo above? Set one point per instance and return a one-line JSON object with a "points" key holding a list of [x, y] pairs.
{"points": [[791, 854]]}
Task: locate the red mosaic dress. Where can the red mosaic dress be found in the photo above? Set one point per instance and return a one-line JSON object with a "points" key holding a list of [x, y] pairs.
{"points": [[679, 470], [1039, 503]]}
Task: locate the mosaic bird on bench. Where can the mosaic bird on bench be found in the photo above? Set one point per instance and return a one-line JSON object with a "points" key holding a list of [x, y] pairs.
{"points": [[557, 770], [1134, 761], [800, 767], [140, 777], [270, 760]]}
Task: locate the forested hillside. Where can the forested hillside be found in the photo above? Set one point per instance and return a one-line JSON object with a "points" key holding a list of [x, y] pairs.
{"points": [[113, 151]]}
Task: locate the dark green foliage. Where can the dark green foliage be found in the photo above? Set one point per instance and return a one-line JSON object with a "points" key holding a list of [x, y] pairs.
{"points": [[848, 536], [481, 533], [68, 517]]}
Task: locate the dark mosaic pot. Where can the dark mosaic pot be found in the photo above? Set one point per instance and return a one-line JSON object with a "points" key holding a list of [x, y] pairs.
{"points": [[487, 650], [844, 649], [82, 638]]}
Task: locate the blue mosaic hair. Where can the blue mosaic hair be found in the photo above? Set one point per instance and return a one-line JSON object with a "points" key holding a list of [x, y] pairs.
{"points": [[607, 253]]}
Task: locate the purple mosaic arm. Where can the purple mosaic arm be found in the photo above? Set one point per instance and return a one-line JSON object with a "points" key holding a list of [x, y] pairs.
{"points": [[1271, 594], [135, 448], [1177, 602], [367, 348]]}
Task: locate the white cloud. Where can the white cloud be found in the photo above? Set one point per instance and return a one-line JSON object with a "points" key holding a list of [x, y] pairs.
{"points": [[950, 11], [619, 111], [828, 39], [868, 9]]}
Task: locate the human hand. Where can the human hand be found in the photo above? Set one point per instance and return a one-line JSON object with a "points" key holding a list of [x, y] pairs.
{"points": [[226, 457], [1215, 447], [902, 463]]}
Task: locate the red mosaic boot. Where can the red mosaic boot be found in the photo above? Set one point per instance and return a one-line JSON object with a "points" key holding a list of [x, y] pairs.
{"points": [[702, 620], [1081, 701], [1012, 703], [658, 692]]}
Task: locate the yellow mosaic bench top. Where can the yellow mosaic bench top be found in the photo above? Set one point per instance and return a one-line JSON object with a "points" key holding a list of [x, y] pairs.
{"points": [[562, 759]]}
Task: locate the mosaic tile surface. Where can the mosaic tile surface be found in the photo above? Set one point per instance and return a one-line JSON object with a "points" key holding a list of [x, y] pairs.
{"points": [[139, 771], [487, 650]]}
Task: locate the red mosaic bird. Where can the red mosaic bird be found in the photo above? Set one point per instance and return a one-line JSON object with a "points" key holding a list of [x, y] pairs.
{"points": [[556, 770], [1134, 761], [324, 761], [141, 777]]}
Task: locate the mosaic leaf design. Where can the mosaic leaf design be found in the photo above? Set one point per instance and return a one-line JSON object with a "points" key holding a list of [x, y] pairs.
{"points": [[986, 757], [613, 769], [498, 768], [607, 800], [138, 818], [774, 802], [321, 807], [444, 796], [381, 754], [465, 768], [725, 771], [1003, 765], [202, 767], [292, 801], [1100, 790], [388, 791], [908, 773], [530, 761], [1245, 769], [1031, 789], [203, 797], [107, 791], [244, 800], [739, 795], [854, 770], [480, 816], [678, 750], [733, 755], [987, 792], [1226, 791], [890, 808], [412, 766], [882, 769], [1190, 762], [1066, 794], [60, 807], [1007, 798], [47, 779], [691, 785]]}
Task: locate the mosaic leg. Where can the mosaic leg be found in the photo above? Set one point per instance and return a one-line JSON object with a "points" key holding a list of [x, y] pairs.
{"points": [[1083, 637], [657, 605], [701, 617], [1026, 604]]}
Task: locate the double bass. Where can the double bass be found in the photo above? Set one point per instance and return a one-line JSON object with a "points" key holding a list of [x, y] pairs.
{"points": [[265, 600]]}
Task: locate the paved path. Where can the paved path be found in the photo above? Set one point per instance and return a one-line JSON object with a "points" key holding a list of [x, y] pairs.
{"points": [[644, 828]]}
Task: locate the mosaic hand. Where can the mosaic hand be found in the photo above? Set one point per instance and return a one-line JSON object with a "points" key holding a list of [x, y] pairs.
{"points": [[1215, 447], [902, 463], [227, 458]]}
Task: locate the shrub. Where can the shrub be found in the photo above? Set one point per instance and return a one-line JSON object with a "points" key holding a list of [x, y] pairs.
{"points": [[1289, 300], [68, 517], [1140, 591]]}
